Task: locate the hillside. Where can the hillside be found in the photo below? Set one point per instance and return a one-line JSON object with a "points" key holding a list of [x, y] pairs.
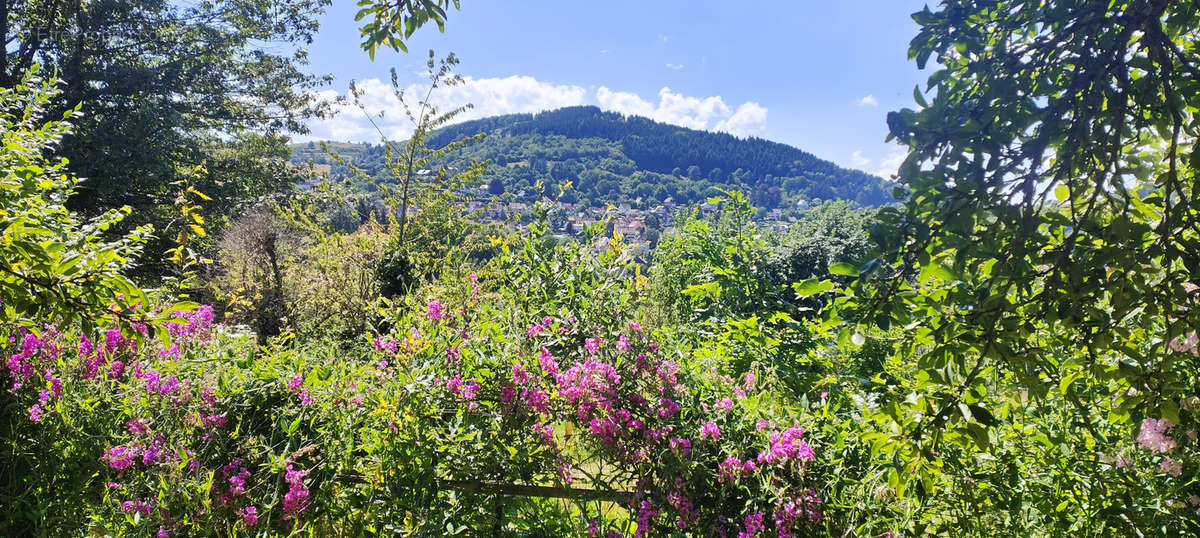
{"points": [[613, 158]]}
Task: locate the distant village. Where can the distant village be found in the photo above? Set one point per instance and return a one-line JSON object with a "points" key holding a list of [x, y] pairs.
{"points": [[572, 219], [644, 223]]}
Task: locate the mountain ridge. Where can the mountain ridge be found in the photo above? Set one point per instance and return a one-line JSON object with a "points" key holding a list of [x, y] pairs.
{"points": [[615, 158]]}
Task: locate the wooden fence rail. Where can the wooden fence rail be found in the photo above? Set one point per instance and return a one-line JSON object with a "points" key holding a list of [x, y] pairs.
{"points": [[472, 486]]}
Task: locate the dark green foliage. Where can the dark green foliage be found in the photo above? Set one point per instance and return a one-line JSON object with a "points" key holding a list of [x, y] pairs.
{"points": [[165, 87], [496, 186], [826, 234], [612, 158], [395, 272]]}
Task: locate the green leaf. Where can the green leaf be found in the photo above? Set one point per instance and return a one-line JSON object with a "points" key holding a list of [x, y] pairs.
{"points": [[844, 269], [811, 286]]}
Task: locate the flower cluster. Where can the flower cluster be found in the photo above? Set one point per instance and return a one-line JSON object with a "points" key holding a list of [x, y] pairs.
{"points": [[1155, 435], [632, 406], [787, 446], [296, 500]]}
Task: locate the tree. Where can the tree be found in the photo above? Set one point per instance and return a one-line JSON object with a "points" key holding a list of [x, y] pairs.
{"points": [[496, 186], [165, 86], [1047, 256], [54, 266]]}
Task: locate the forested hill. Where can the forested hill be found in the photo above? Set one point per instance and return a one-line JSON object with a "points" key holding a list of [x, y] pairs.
{"points": [[614, 158]]}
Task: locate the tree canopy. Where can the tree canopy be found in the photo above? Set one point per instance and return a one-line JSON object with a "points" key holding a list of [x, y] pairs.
{"points": [[1047, 253], [166, 86]]}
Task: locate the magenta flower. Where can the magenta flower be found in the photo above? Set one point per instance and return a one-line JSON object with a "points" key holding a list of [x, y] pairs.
{"points": [[536, 400], [787, 446], [297, 497], [682, 447], [384, 344], [120, 457], [753, 524], [710, 431], [623, 344], [519, 375], [436, 311], [535, 330], [725, 405], [667, 408], [143, 507], [249, 516], [469, 390], [137, 426], [646, 514], [592, 345], [547, 362]]}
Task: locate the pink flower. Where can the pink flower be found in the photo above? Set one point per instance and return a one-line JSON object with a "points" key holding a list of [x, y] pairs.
{"points": [[623, 344], [297, 497], [753, 524], [725, 405], [547, 362], [436, 311], [592, 345], [384, 344], [635, 326], [681, 446], [249, 516], [120, 457], [519, 375], [710, 431], [469, 390], [1154, 435], [1171, 466], [787, 446]]}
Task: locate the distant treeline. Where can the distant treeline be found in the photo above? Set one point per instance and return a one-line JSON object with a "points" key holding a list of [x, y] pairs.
{"points": [[614, 158]]}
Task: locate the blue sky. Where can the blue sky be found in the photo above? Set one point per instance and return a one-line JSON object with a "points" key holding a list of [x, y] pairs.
{"points": [[818, 75]]}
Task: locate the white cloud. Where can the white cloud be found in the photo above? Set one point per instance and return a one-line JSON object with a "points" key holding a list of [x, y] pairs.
{"points": [[749, 118], [857, 159], [603, 51], [891, 163], [869, 100], [517, 94], [709, 113], [664, 38], [490, 97], [676, 67]]}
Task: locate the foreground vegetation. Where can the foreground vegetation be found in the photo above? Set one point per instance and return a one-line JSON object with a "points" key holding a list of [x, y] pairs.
{"points": [[1010, 351]]}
